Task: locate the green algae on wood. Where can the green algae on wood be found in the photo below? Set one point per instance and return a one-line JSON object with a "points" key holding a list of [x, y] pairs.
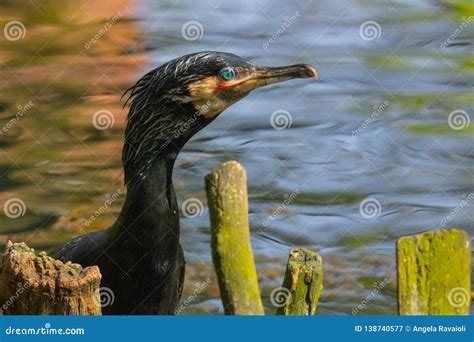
{"points": [[232, 255], [303, 283], [434, 273]]}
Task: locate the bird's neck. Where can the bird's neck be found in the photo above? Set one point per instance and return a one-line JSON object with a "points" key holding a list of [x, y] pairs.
{"points": [[152, 143], [150, 212]]}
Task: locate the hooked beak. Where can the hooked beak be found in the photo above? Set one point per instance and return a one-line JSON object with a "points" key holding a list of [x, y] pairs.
{"points": [[261, 76]]}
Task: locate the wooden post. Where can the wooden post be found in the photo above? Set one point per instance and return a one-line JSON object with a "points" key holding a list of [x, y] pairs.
{"points": [[434, 273], [41, 285], [302, 285], [226, 188]]}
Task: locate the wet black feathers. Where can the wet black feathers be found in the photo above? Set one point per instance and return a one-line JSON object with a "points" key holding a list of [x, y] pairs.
{"points": [[160, 106]]}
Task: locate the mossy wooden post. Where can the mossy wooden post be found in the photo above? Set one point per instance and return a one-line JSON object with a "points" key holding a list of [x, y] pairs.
{"points": [[434, 273], [232, 255], [41, 285], [302, 285]]}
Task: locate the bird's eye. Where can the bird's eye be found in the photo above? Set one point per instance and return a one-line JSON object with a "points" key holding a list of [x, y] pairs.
{"points": [[227, 74]]}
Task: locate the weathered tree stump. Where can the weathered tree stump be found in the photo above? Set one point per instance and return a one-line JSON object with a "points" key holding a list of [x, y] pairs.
{"points": [[302, 285], [33, 284], [232, 254], [434, 273]]}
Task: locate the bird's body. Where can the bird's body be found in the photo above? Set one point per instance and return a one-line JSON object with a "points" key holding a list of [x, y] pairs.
{"points": [[140, 257]]}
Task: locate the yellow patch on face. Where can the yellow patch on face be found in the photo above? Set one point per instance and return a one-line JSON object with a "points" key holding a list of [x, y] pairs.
{"points": [[205, 87], [206, 102]]}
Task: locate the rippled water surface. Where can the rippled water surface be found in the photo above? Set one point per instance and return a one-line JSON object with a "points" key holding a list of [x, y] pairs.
{"points": [[375, 128]]}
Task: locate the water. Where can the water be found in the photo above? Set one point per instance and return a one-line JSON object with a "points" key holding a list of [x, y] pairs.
{"points": [[375, 128]]}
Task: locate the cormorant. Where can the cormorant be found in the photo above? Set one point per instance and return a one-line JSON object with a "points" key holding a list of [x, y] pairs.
{"points": [[139, 256]]}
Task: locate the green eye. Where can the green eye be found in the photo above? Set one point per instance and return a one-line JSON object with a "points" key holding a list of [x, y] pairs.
{"points": [[227, 74]]}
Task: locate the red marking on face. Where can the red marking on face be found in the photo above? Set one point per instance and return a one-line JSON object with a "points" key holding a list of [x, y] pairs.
{"points": [[223, 85]]}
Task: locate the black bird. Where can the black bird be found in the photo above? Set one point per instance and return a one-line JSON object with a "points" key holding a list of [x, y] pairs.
{"points": [[139, 256]]}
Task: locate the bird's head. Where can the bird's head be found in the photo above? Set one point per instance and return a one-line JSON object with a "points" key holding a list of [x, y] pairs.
{"points": [[213, 81], [174, 101]]}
